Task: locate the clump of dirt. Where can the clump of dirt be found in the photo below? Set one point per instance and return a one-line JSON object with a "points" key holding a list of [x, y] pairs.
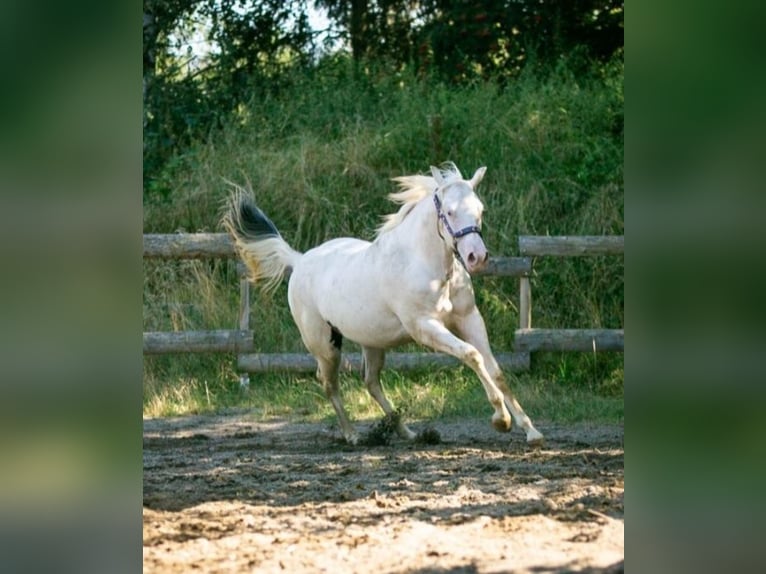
{"points": [[383, 431], [428, 435]]}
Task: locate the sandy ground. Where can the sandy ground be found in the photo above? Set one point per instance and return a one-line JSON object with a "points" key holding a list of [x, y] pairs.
{"points": [[226, 494]]}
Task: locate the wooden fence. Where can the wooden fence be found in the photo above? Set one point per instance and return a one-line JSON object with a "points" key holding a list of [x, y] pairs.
{"points": [[526, 340]]}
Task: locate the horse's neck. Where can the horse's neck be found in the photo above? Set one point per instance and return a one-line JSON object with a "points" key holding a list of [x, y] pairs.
{"points": [[418, 234]]}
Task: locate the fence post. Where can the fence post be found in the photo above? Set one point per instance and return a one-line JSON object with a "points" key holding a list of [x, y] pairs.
{"points": [[525, 303], [244, 320]]}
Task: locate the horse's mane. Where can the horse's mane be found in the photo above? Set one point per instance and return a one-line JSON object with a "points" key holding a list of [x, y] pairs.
{"points": [[413, 188]]}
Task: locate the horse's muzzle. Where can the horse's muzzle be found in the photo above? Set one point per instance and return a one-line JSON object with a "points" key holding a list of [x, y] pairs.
{"points": [[476, 261]]}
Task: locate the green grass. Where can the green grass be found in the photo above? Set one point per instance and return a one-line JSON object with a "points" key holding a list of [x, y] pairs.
{"points": [[440, 395], [319, 158]]}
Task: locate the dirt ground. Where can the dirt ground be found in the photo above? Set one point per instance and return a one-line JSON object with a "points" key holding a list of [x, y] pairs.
{"points": [[227, 494]]}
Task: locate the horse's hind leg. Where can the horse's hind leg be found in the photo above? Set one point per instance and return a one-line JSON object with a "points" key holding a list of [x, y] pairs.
{"points": [[373, 364], [327, 373], [324, 341]]}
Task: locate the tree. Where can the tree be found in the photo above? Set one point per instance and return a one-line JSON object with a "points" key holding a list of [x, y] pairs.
{"points": [[160, 17], [462, 40], [375, 28], [250, 42]]}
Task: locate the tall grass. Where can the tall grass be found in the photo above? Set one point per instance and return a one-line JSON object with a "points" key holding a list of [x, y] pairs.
{"points": [[319, 157]]}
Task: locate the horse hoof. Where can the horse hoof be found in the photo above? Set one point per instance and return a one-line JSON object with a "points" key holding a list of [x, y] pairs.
{"points": [[501, 424], [352, 439], [535, 439], [407, 434]]}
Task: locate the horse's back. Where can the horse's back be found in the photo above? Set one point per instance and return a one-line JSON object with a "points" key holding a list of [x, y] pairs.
{"points": [[338, 247]]}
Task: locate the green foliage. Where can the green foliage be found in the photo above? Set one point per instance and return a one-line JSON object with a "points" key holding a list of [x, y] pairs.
{"points": [[462, 40], [198, 384], [186, 95], [319, 154], [257, 46]]}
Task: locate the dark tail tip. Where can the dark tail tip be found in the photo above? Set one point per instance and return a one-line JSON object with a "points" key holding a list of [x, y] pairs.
{"points": [[253, 222], [242, 218]]}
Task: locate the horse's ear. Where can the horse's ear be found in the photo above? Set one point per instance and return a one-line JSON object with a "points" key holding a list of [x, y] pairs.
{"points": [[477, 177], [437, 175]]}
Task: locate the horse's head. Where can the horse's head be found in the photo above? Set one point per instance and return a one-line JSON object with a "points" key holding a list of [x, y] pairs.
{"points": [[459, 210]]}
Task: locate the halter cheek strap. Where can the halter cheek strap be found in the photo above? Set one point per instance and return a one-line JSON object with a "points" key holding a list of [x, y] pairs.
{"points": [[443, 218], [454, 234]]}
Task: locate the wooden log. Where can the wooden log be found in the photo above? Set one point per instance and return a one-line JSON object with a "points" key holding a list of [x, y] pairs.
{"points": [[563, 245], [508, 267], [496, 266], [211, 245], [582, 340], [188, 246], [223, 341], [244, 304], [302, 362], [525, 303], [244, 320]]}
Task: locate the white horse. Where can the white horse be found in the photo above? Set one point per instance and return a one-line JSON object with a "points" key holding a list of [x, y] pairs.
{"points": [[411, 283]]}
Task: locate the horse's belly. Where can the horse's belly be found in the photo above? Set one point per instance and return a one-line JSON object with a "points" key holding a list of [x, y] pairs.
{"points": [[379, 335], [365, 321], [341, 282]]}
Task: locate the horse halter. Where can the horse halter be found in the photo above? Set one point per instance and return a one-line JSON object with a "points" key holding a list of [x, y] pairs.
{"points": [[454, 234]]}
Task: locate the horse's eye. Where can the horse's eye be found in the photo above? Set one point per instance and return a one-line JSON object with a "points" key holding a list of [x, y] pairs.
{"points": [[450, 213]]}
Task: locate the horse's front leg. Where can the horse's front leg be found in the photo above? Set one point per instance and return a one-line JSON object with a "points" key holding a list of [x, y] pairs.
{"points": [[432, 333], [472, 329]]}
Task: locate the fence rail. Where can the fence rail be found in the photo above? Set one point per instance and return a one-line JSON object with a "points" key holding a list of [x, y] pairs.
{"points": [[526, 338], [221, 341], [567, 246], [573, 340], [302, 362], [220, 245], [188, 246]]}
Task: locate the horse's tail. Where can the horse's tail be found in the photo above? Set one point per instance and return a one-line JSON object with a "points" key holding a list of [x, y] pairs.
{"points": [[266, 255]]}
